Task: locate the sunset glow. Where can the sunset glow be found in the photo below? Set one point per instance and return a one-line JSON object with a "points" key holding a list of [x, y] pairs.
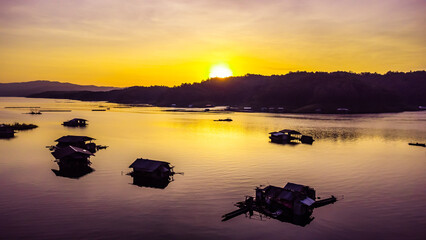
{"points": [[126, 43], [220, 71]]}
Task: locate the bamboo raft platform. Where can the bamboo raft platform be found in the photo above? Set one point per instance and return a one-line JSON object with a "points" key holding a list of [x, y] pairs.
{"points": [[249, 206]]}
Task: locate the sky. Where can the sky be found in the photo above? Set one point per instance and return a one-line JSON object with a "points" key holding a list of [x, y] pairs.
{"points": [[170, 42]]}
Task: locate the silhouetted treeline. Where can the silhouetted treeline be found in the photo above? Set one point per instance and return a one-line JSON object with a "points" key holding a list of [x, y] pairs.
{"points": [[22, 89], [293, 92]]}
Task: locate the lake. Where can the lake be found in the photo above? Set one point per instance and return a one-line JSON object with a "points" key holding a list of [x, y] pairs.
{"points": [[364, 160]]}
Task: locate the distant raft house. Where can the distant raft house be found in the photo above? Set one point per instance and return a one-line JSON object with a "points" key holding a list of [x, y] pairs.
{"points": [[76, 122], [284, 136], [288, 136]]}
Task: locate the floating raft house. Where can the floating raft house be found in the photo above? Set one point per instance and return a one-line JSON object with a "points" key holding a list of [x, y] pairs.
{"points": [[71, 152], [290, 136], [76, 122], [151, 167]]}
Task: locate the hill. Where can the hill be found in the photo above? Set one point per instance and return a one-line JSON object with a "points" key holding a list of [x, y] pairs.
{"points": [[22, 89], [293, 92]]}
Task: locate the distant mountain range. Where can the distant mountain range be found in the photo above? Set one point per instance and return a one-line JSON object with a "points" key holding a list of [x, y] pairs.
{"points": [[22, 89], [296, 92]]}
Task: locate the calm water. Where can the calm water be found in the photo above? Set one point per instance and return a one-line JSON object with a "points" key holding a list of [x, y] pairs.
{"points": [[364, 159]]}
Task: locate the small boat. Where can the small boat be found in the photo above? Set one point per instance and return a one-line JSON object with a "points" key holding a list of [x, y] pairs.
{"points": [[417, 144], [98, 110], [224, 120]]}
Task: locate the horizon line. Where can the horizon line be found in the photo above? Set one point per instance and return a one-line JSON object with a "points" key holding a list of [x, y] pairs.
{"points": [[247, 74]]}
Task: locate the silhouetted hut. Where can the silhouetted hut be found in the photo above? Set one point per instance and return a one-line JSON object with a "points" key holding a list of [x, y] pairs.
{"points": [[151, 168], [72, 157], [6, 131], [77, 141], [284, 136], [75, 122], [295, 199], [290, 136]]}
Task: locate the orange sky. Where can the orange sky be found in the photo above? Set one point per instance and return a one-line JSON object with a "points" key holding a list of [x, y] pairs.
{"points": [[159, 42]]}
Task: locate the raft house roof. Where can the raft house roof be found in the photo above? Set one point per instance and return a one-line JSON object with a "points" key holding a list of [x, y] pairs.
{"points": [[288, 193], [289, 131], [70, 150], [148, 165], [79, 119], [73, 139], [276, 133], [294, 187]]}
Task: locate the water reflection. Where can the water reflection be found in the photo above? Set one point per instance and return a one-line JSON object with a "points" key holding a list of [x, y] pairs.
{"points": [[152, 182], [72, 172], [302, 221], [364, 158]]}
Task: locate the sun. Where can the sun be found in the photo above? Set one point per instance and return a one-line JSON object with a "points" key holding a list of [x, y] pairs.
{"points": [[220, 71]]}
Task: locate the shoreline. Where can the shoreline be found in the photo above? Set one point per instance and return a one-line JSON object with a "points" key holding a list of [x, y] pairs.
{"points": [[233, 109]]}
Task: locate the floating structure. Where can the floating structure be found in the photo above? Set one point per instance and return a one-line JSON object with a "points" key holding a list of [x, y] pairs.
{"points": [[151, 173], [293, 203], [417, 144], [152, 168], [6, 131], [72, 157], [73, 162], [224, 120], [76, 122], [295, 198], [290, 136]]}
